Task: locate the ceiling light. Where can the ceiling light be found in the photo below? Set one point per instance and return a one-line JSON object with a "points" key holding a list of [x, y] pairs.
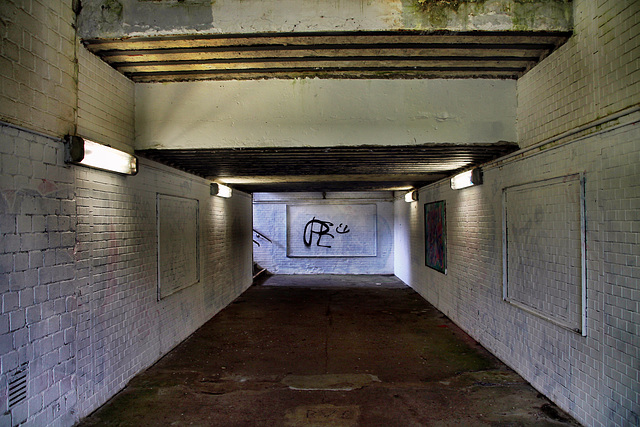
{"points": [[411, 196], [220, 190], [91, 154], [467, 179]]}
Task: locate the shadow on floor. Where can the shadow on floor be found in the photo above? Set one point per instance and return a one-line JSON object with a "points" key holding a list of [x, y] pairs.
{"points": [[329, 351]]}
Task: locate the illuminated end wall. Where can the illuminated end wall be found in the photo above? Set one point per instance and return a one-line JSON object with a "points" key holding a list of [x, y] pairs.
{"points": [[338, 233]]}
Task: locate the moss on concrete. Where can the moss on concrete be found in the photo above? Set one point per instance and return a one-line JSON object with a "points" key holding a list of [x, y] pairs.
{"points": [[440, 12], [521, 15]]}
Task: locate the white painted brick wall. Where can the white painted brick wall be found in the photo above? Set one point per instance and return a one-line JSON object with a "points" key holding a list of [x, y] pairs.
{"points": [[37, 65], [122, 327], [78, 296], [542, 223], [78, 275], [595, 378], [270, 219], [596, 73], [105, 103], [38, 226]]}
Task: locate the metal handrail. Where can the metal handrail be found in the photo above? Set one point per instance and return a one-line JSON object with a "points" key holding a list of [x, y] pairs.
{"points": [[261, 235]]}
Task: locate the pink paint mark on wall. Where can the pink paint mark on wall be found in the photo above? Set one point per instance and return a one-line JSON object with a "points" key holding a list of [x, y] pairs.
{"points": [[47, 187]]}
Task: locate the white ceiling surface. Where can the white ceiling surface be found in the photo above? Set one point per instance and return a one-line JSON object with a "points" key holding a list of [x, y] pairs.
{"points": [[320, 112]]}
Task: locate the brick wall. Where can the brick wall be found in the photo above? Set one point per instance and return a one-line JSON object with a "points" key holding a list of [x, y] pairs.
{"points": [[37, 65], [593, 377], [270, 219], [594, 74], [79, 312], [122, 327], [79, 275], [105, 103], [37, 277]]}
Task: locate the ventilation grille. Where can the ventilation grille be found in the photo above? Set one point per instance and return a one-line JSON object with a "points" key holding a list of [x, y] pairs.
{"points": [[18, 387]]}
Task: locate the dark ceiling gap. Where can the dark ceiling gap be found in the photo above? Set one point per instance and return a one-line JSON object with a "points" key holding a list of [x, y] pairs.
{"points": [[376, 167], [310, 37], [376, 54], [328, 59], [320, 47], [331, 69]]}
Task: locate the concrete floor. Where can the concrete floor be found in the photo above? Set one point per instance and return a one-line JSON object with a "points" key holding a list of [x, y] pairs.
{"points": [[329, 351]]}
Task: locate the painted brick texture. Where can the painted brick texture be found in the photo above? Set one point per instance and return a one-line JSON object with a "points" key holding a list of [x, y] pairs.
{"points": [[596, 73], [78, 271], [270, 220], [595, 378], [105, 103], [122, 327], [37, 240], [78, 282], [79, 306], [37, 65], [543, 229]]}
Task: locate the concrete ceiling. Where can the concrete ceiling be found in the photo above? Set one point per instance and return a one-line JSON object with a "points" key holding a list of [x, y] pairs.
{"points": [[177, 41], [367, 54]]}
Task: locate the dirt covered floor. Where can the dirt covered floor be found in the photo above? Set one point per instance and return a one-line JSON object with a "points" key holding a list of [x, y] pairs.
{"points": [[329, 351]]}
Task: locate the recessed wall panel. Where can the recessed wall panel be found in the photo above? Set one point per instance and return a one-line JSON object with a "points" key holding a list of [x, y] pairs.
{"points": [[544, 249], [178, 265], [331, 230]]}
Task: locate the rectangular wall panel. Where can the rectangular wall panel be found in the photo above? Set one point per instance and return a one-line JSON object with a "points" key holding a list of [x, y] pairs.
{"points": [[178, 265], [331, 230], [543, 249]]}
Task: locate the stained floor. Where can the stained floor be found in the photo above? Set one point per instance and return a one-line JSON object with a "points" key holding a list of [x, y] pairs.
{"points": [[329, 351]]}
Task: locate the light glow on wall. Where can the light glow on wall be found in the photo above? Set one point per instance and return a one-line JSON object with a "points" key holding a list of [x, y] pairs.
{"points": [[411, 196], [466, 179], [94, 155]]}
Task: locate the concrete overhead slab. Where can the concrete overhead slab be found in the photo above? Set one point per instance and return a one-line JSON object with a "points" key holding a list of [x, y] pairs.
{"points": [[123, 18], [329, 351], [323, 113]]}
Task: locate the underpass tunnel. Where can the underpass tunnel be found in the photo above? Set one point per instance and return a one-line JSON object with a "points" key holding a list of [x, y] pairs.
{"points": [[438, 199]]}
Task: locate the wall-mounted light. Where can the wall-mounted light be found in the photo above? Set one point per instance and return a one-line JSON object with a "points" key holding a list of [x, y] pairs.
{"points": [[411, 196], [220, 190], [467, 179], [91, 154]]}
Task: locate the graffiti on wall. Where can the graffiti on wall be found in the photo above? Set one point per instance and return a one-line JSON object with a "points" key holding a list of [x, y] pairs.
{"points": [[436, 235], [320, 229], [331, 230]]}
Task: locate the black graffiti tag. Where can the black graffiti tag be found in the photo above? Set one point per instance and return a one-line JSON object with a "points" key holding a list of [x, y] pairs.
{"points": [[342, 229], [318, 227], [321, 229]]}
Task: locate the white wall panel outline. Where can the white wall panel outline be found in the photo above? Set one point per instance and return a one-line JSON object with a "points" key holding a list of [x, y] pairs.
{"points": [[544, 260], [332, 230], [178, 244]]}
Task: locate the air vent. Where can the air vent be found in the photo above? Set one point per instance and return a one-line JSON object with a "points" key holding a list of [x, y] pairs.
{"points": [[18, 387]]}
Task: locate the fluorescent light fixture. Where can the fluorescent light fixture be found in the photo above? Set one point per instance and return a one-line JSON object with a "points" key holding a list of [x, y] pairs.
{"points": [[220, 190], [411, 196], [91, 154], [467, 179]]}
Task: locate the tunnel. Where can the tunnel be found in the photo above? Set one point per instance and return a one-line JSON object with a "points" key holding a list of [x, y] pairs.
{"points": [[381, 212]]}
